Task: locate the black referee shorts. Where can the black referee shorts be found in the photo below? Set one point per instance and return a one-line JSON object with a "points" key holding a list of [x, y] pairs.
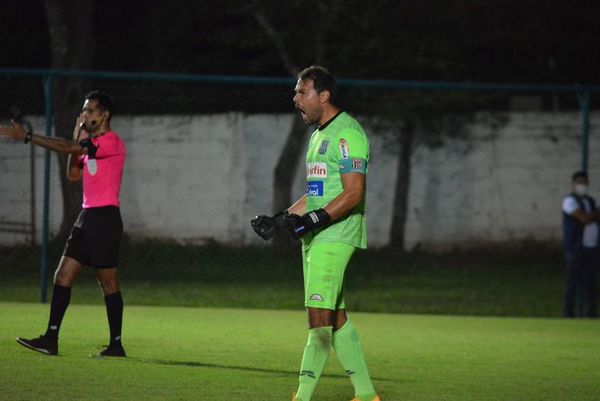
{"points": [[95, 237]]}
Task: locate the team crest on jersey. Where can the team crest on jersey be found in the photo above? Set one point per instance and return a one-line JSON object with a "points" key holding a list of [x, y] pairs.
{"points": [[344, 149], [323, 147], [316, 170], [92, 166]]}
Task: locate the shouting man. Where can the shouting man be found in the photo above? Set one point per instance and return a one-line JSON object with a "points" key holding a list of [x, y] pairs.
{"points": [[330, 220]]}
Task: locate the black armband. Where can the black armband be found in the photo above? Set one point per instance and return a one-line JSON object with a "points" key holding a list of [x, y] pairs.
{"points": [[310, 221], [89, 145], [28, 137]]}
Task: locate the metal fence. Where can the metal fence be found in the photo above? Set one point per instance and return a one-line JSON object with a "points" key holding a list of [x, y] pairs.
{"points": [[202, 149]]}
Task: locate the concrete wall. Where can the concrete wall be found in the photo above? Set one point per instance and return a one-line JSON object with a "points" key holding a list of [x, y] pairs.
{"points": [[195, 178]]}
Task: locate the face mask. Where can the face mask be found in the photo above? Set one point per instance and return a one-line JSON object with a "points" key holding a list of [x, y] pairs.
{"points": [[581, 189]]}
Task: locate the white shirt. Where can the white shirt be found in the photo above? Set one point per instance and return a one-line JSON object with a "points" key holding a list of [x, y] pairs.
{"points": [[590, 231]]}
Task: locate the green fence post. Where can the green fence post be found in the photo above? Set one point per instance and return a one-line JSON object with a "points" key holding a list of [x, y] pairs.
{"points": [[46, 207], [584, 102]]}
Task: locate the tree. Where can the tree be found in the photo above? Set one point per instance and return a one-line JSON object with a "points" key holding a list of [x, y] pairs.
{"points": [[72, 48], [406, 121], [409, 40], [289, 157]]}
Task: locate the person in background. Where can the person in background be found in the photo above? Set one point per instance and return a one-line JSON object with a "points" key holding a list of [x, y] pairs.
{"points": [[580, 240]]}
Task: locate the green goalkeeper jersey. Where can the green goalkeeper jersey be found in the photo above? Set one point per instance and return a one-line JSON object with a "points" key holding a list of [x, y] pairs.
{"points": [[338, 147]]}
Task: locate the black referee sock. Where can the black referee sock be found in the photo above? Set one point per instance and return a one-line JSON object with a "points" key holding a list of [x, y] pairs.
{"points": [[114, 311], [61, 296]]}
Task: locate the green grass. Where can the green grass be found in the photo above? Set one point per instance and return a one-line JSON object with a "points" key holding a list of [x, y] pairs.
{"points": [[518, 281], [179, 353]]}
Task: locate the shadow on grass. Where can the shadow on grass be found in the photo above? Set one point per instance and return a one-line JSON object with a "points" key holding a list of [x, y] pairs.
{"points": [[196, 364]]}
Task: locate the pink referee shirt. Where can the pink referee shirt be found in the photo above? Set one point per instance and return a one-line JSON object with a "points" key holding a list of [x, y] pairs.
{"points": [[102, 175]]}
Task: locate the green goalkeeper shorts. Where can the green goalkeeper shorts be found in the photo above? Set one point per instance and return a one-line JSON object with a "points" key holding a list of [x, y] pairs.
{"points": [[324, 265]]}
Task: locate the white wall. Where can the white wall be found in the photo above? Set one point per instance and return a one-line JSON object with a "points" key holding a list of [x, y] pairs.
{"points": [[193, 178]]}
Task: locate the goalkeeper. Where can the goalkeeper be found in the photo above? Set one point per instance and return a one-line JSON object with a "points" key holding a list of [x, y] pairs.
{"points": [[330, 220]]}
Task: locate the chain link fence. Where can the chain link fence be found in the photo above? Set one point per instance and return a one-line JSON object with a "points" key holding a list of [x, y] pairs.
{"points": [[479, 164]]}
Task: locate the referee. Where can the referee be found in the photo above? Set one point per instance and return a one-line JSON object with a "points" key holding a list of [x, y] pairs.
{"points": [[96, 155], [330, 220]]}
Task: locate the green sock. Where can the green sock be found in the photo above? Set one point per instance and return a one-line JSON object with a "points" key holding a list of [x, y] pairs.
{"points": [[315, 356], [349, 351]]}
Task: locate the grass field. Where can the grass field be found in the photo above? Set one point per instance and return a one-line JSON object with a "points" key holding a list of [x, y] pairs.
{"points": [[188, 353], [523, 281]]}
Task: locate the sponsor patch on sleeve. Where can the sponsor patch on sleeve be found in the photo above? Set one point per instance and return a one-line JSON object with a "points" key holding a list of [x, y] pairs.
{"points": [[344, 149], [314, 188], [353, 166]]}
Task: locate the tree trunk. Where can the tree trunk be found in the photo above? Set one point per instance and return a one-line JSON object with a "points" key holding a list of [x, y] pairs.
{"points": [[400, 210], [285, 172], [72, 48], [290, 155]]}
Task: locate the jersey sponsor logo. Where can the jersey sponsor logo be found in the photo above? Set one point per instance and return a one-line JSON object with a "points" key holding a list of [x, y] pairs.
{"points": [[323, 147], [344, 149], [316, 170], [314, 188], [316, 297], [92, 166], [353, 166]]}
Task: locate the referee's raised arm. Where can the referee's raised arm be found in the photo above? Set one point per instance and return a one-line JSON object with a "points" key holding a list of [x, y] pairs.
{"points": [[18, 133]]}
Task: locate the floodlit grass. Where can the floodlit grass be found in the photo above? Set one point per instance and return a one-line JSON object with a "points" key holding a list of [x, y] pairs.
{"points": [[179, 353], [500, 282]]}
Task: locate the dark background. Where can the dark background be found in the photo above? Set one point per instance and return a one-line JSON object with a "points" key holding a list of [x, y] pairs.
{"points": [[527, 41], [504, 41]]}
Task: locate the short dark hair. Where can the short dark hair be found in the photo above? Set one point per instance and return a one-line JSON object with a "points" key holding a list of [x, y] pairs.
{"points": [[105, 102], [322, 80], [579, 174]]}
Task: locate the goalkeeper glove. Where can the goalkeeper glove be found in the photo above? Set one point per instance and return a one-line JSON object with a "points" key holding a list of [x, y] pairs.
{"points": [[267, 227], [300, 225]]}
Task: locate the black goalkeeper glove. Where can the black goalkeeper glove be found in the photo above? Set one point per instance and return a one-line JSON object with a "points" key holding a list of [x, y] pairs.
{"points": [[267, 227], [300, 225]]}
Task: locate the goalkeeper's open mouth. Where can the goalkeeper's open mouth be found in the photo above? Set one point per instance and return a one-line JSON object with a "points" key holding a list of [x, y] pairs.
{"points": [[302, 113]]}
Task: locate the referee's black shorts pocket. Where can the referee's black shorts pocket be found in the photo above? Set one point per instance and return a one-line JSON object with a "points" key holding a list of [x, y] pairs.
{"points": [[77, 247]]}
